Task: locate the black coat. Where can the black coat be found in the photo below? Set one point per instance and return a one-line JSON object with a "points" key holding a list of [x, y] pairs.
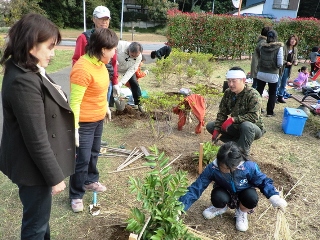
{"points": [[38, 138]]}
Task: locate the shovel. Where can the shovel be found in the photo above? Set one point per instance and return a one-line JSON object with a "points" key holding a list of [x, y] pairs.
{"points": [[94, 207], [120, 104]]}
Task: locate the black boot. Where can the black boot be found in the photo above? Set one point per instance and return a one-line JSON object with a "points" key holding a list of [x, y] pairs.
{"points": [[281, 100]]}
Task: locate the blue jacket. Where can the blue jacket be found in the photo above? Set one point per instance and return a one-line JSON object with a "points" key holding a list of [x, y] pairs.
{"points": [[247, 175]]}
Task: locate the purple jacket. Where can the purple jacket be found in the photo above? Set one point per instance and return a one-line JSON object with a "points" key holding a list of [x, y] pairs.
{"points": [[302, 79]]}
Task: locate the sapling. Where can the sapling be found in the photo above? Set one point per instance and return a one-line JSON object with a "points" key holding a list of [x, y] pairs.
{"points": [[158, 193]]}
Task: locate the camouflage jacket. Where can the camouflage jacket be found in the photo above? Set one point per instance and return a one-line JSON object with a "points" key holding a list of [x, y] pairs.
{"points": [[246, 106]]}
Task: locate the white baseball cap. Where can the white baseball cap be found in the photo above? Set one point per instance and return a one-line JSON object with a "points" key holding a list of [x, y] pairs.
{"points": [[101, 11]]}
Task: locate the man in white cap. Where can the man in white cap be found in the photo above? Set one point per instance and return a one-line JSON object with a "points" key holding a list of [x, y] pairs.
{"points": [[239, 117], [101, 19]]}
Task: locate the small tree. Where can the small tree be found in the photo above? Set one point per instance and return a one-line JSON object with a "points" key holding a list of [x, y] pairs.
{"points": [[209, 153], [159, 109], [159, 193]]}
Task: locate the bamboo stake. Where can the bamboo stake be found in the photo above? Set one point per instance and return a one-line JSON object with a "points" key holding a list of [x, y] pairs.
{"points": [[199, 234], [111, 155], [171, 162], [131, 161], [144, 228], [128, 169], [128, 158], [200, 158]]}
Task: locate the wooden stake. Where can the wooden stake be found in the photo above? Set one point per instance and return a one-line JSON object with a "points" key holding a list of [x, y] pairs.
{"points": [[200, 157], [201, 134]]}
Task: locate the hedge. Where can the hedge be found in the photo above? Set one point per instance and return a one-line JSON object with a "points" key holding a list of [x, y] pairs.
{"points": [[235, 36]]}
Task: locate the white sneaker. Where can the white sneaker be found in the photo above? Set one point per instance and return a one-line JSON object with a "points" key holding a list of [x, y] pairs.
{"points": [[212, 211], [241, 220]]}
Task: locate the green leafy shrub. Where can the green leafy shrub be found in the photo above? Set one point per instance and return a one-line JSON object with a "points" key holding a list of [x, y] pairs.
{"points": [[209, 152], [159, 193]]}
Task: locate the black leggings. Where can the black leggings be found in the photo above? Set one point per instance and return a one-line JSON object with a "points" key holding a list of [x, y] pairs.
{"points": [[135, 89], [221, 197]]}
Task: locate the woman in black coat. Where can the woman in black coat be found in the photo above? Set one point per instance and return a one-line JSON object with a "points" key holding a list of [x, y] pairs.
{"points": [[38, 138]]}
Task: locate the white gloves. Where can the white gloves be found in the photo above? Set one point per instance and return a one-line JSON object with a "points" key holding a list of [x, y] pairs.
{"points": [[117, 89], [279, 202], [108, 115], [146, 72], [77, 137]]}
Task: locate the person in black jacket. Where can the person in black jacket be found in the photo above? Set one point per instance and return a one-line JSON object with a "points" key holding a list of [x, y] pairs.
{"points": [[38, 139], [162, 52]]}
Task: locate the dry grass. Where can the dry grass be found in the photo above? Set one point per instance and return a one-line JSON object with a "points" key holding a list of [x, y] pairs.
{"points": [[139, 37], [283, 157]]}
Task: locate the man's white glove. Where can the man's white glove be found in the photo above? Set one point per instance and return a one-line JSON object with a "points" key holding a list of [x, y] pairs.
{"points": [[146, 72], [279, 202], [108, 115], [116, 89], [77, 136]]}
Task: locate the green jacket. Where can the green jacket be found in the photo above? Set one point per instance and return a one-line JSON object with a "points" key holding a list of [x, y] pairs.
{"points": [[246, 106]]}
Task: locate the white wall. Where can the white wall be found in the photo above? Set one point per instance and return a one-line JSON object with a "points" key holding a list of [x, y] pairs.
{"points": [[279, 13], [141, 24], [256, 9]]}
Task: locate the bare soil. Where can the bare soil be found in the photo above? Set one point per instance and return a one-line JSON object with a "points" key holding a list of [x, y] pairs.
{"points": [[289, 160]]}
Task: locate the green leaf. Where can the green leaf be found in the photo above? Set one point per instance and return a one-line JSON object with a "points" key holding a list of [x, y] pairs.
{"points": [[165, 170], [164, 162]]}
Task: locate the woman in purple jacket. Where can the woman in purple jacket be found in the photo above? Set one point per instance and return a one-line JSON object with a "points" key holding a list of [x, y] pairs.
{"points": [[235, 179]]}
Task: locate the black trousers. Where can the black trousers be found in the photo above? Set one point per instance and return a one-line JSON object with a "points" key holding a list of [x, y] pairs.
{"points": [[272, 94], [36, 201], [135, 89], [221, 197]]}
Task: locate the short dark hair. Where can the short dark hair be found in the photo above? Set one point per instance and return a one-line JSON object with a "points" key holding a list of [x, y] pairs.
{"points": [[315, 49], [303, 68], [230, 154], [135, 47], [265, 30], [237, 68], [99, 39], [295, 37], [25, 34], [153, 54]]}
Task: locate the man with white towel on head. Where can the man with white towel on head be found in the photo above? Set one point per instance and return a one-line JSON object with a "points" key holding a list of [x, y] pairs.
{"points": [[239, 117]]}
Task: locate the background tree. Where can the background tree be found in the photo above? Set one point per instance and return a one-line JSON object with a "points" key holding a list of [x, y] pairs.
{"points": [[309, 8], [158, 10], [69, 13], [13, 10]]}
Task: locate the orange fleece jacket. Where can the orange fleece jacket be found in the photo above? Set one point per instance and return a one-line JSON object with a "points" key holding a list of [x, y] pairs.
{"points": [[91, 74]]}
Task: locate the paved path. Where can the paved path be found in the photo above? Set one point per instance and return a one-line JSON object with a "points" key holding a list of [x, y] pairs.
{"points": [[62, 76]]}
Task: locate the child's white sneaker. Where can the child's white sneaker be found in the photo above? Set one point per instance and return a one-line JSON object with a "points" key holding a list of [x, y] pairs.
{"points": [[212, 211], [241, 220]]}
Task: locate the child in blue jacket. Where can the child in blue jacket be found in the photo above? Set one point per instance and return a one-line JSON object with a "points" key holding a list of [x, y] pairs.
{"points": [[235, 179]]}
